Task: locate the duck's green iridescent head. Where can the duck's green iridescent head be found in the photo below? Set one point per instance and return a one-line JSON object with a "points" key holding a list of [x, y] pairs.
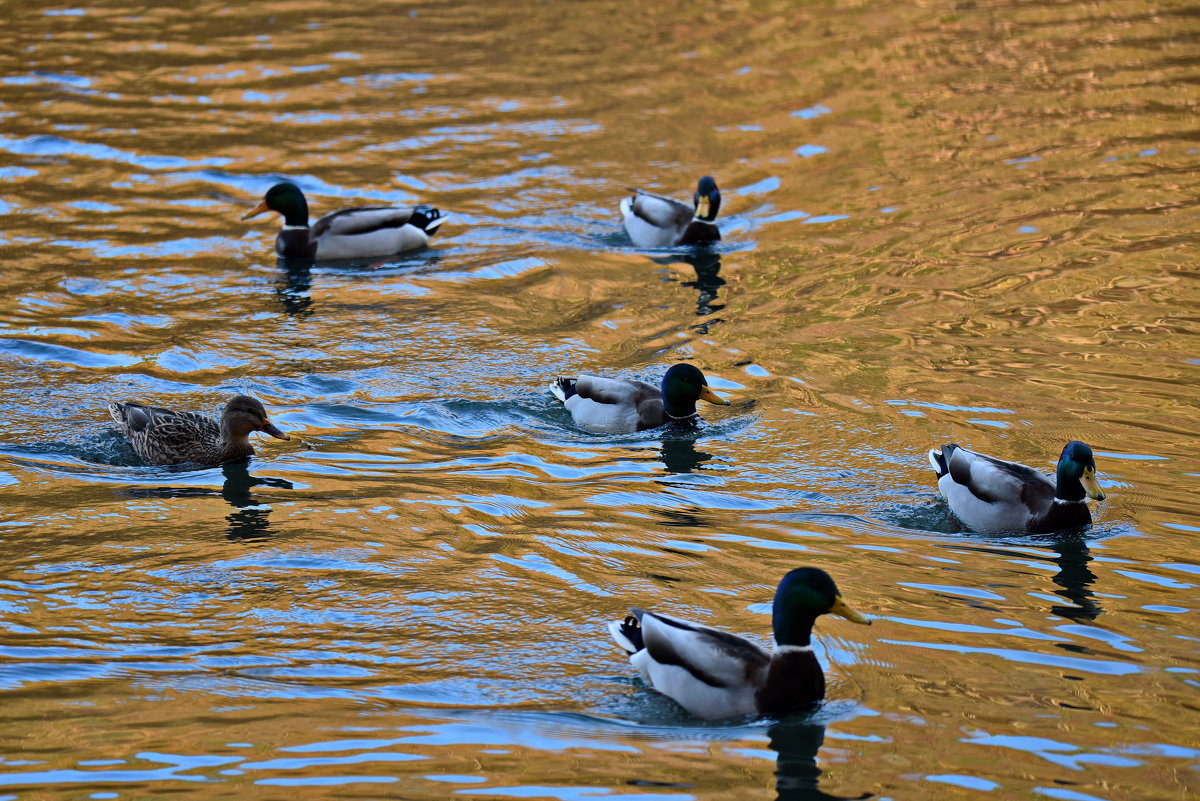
{"points": [[682, 386], [805, 594], [707, 199], [1076, 475], [285, 198]]}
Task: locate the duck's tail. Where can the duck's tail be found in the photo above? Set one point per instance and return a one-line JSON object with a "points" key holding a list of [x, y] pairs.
{"points": [[628, 633], [427, 218], [940, 460], [562, 388], [626, 204]]}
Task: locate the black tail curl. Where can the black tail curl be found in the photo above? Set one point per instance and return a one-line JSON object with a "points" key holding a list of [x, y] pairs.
{"points": [[425, 216], [632, 630], [567, 385]]}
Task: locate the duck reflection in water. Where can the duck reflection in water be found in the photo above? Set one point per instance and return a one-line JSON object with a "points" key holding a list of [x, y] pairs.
{"points": [[249, 520], [295, 282], [1075, 578], [796, 740], [292, 289], [1072, 555], [707, 265], [679, 453]]}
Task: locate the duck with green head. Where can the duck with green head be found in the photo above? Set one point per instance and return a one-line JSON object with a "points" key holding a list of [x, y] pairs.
{"points": [[715, 674], [622, 406], [655, 221], [362, 232], [991, 495]]}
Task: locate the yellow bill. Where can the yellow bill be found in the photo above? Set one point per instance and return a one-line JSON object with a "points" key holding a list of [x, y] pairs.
{"points": [[712, 397], [1090, 485], [843, 609]]}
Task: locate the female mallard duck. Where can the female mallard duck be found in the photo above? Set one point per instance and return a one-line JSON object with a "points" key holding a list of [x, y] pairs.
{"points": [[714, 674], [620, 406], [654, 221], [990, 495], [161, 436], [363, 232]]}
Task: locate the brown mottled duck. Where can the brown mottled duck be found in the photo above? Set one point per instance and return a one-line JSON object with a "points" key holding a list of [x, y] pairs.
{"points": [[162, 436]]}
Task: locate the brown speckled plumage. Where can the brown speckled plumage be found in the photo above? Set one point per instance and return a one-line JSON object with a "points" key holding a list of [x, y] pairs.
{"points": [[162, 436]]}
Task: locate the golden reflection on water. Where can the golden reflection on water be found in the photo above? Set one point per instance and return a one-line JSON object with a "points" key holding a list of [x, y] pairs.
{"points": [[970, 222]]}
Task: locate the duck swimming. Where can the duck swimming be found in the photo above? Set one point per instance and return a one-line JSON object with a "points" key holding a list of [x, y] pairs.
{"points": [[162, 436], [991, 495], [655, 221], [622, 406], [362, 232], [715, 674]]}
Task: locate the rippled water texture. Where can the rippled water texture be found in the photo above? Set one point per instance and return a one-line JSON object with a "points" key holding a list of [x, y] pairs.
{"points": [[970, 222]]}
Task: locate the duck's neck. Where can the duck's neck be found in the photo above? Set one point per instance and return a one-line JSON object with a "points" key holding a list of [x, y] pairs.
{"points": [[233, 445], [793, 631], [296, 214], [794, 681], [677, 407], [1061, 515], [236, 450], [1068, 489]]}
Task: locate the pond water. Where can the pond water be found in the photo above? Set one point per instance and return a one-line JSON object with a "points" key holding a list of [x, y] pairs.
{"points": [[971, 222]]}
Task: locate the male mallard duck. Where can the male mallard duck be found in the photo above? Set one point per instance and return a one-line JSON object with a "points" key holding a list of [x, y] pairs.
{"points": [[654, 221], [714, 674], [362, 232], [991, 495], [161, 436], [620, 406]]}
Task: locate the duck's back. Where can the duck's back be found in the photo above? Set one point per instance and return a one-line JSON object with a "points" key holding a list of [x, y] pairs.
{"points": [[163, 436], [654, 221], [990, 494], [615, 406], [370, 231], [709, 672]]}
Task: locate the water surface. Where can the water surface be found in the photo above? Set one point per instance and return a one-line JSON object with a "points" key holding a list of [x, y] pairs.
{"points": [[966, 222]]}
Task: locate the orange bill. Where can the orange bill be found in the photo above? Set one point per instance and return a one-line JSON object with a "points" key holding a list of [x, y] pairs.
{"points": [[257, 210]]}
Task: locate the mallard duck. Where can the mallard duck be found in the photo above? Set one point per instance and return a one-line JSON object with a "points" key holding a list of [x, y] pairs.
{"points": [[161, 436], [362, 232], [714, 674], [991, 495], [621, 406], [654, 221]]}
